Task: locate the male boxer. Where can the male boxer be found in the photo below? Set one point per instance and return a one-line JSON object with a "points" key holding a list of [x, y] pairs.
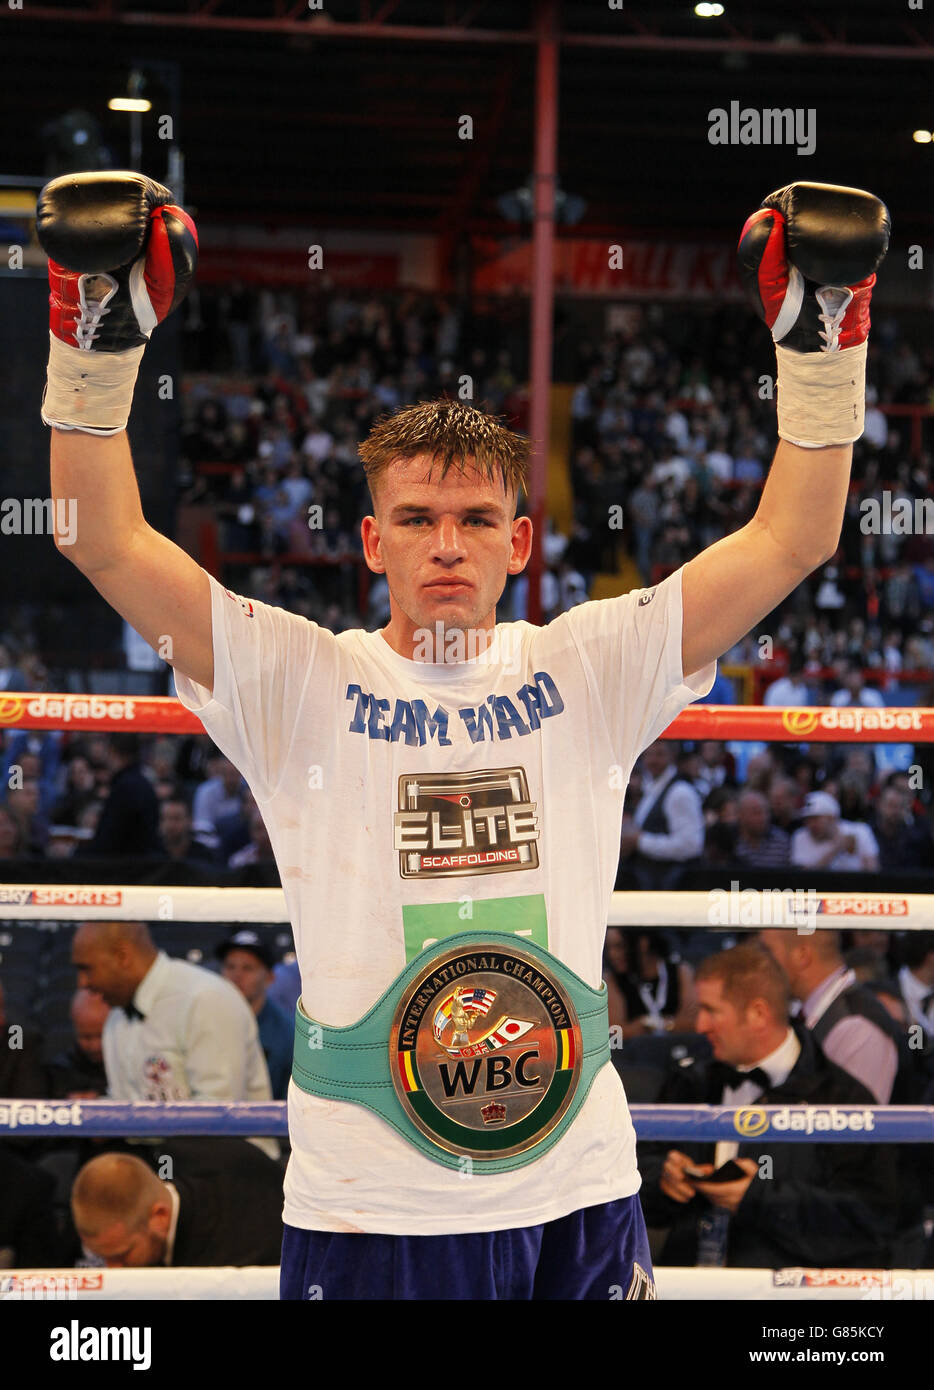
{"points": [[444, 797]]}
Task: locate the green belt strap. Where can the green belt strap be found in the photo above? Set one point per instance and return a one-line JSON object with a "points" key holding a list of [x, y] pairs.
{"points": [[353, 1063]]}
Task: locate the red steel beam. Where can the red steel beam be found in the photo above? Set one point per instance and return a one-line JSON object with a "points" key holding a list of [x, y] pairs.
{"points": [[321, 26]]}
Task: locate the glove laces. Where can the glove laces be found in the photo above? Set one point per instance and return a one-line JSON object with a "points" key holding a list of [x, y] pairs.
{"points": [[834, 303], [93, 309]]}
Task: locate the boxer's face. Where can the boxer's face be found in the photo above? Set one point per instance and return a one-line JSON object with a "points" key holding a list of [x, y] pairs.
{"points": [[445, 546]]}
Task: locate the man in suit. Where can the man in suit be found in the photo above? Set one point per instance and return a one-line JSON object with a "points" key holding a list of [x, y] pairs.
{"points": [[811, 1203], [79, 1072], [129, 822], [222, 1206]]}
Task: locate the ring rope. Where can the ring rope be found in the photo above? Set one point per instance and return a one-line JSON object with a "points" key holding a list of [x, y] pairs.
{"points": [[710, 909], [831, 1124], [261, 1282], [163, 714]]}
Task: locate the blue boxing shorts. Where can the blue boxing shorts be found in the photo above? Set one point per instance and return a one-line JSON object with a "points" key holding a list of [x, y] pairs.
{"points": [[598, 1253]]}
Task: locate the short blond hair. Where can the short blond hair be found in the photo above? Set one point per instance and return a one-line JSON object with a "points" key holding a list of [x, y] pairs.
{"points": [[114, 1187], [449, 432]]}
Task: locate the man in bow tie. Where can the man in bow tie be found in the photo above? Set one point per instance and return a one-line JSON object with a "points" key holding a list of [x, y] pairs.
{"points": [[809, 1203], [175, 1031]]}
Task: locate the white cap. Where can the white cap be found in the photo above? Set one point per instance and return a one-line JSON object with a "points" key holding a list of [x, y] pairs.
{"points": [[820, 804]]}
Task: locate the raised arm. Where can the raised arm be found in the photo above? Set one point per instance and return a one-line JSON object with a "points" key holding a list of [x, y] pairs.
{"points": [[808, 258], [121, 258], [150, 581]]}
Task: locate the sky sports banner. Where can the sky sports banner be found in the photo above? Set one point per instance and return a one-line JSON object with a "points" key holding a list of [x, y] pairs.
{"points": [[161, 714]]}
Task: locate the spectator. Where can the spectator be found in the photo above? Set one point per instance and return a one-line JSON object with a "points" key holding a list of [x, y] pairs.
{"points": [[37, 755], [129, 820], [904, 839], [784, 802], [864, 964], [23, 805], [226, 1214], [823, 1204], [259, 850], [791, 689], [175, 1031], [286, 986], [651, 989], [248, 963], [847, 1021], [12, 844], [924, 578], [80, 790], [221, 795], [759, 844], [176, 833], [714, 768], [916, 979], [666, 833], [11, 677], [824, 841], [79, 1073], [853, 689], [879, 943], [22, 1074]]}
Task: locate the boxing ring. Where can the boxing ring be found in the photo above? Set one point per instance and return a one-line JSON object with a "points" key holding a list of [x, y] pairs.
{"points": [[715, 909]]}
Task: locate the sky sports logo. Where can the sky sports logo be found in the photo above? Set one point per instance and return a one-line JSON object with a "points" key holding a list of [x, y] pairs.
{"points": [[60, 897]]}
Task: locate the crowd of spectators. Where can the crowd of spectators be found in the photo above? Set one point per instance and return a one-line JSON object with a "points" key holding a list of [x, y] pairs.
{"points": [[168, 805]]}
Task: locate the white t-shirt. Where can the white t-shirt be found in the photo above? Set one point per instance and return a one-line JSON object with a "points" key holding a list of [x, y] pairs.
{"points": [[805, 850], [350, 750]]}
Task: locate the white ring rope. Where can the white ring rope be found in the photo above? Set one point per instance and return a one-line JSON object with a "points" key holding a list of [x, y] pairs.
{"points": [[261, 1282], [750, 908]]}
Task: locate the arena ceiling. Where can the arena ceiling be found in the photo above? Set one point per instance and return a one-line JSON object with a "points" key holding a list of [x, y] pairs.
{"points": [[348, 114]]}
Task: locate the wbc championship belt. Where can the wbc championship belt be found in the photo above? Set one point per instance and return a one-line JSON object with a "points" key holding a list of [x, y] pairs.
{"points": [[485, 1047]]}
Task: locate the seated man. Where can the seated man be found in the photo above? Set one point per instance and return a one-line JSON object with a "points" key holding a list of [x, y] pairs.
{"points": [[812, 1204], [824, 841], [79, 1074], [247, 963], [847, 1021], [226, 1211]]}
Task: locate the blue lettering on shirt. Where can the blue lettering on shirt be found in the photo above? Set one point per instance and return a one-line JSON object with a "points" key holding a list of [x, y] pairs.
{"points": [[496, 718]]}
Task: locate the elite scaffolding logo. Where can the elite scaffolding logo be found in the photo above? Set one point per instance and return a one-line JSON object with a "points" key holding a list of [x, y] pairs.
{"points": [[455, 823]]}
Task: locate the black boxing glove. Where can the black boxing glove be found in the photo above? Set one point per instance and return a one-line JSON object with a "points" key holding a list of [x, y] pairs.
{"points": [[807, 259], [122, 256]]}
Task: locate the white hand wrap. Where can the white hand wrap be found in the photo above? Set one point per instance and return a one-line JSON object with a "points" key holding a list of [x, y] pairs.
{"points": [[89, 391], [821, 396]]}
